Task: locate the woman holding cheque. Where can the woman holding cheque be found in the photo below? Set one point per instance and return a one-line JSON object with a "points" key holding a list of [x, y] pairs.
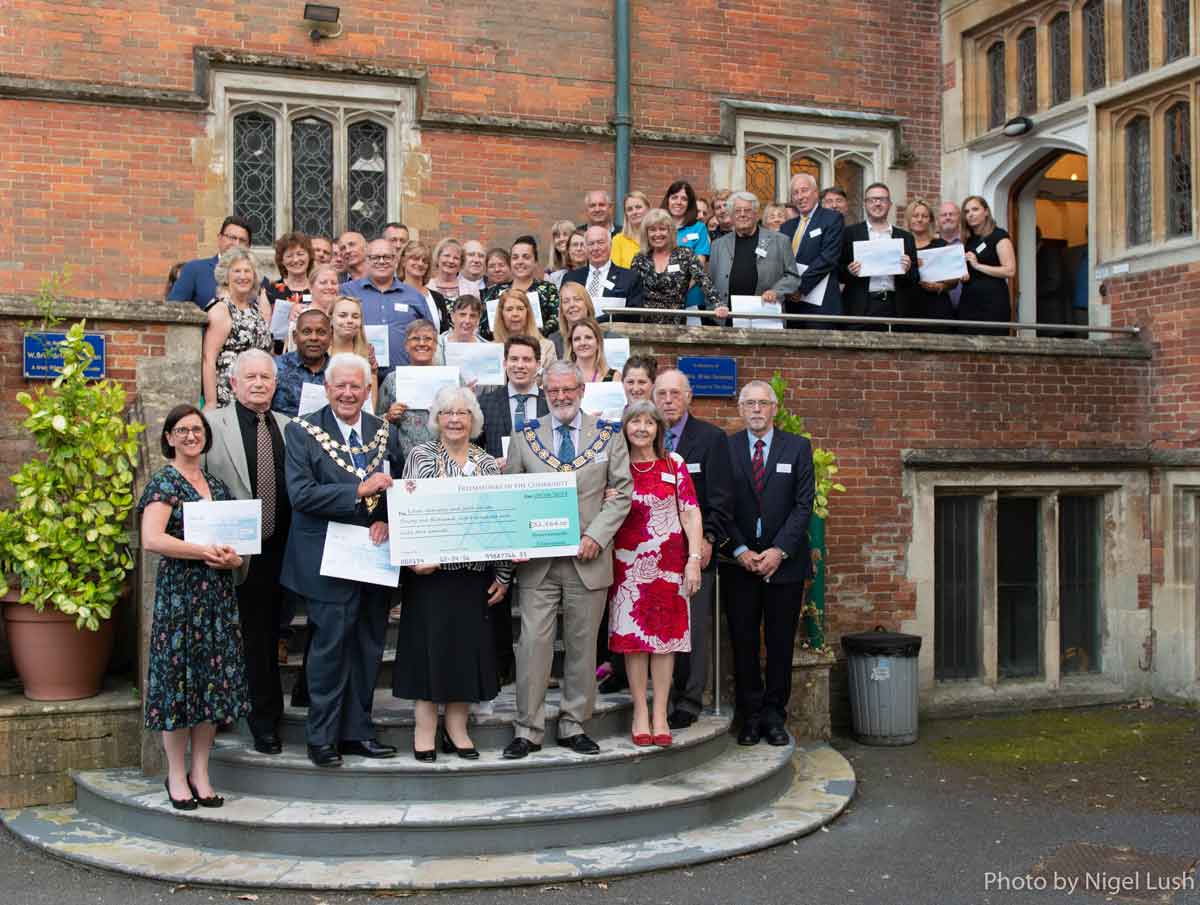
{"points": [[445, 653]]}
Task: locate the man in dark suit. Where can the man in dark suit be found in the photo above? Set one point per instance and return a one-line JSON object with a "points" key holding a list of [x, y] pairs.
{"points": [[767, 538], [816, 238], [879, 296], [339, 461], [705, 449], [196, 282], [602, 278], [507, 408]]}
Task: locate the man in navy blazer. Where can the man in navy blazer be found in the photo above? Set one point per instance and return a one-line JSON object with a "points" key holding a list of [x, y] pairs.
{"points": [[767, 539], [603, 278], [196, 282], [338, 465], [499, 405], [818, 249]]}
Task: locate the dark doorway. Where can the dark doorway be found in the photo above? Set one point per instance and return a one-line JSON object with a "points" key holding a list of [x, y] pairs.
{"points": [[1018, 570]]}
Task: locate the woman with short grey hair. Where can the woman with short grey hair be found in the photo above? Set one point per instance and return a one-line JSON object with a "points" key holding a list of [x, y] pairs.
{"points": [[238, 319]]}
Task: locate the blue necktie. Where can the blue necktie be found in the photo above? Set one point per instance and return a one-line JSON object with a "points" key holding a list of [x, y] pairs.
{"points": [[670, 441], [359, 459], [566, 449], [519, 418]]}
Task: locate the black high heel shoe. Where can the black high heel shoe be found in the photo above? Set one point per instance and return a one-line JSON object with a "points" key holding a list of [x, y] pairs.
{"points": [[425, 757], [448, 747], [180, 804], [213, 801]]}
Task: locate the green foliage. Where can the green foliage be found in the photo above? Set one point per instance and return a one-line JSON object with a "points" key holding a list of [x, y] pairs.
{"points": [[66, 537], [824, 461]]}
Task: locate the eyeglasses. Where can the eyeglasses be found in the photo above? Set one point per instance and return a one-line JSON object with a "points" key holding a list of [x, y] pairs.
{"points": [[381, 259], [563, 391], [182, 432], [878, 200], [454, 413], [756, 403], [239, 240], [422, 340]]}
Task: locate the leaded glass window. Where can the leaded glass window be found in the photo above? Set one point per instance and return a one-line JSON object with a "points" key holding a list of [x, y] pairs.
{"points": [[1176, 28], [1178, 145], [1027, 70], [367, 178], [851, 176], [1094, 67], [312, 176], [801, 164], [1137, 37], [995, 65], [1137, 186], [761, 176], [1060, 57], [254, 172]]}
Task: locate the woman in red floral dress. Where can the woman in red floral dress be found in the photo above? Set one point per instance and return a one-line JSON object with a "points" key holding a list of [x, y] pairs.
{"points": [[654, 573]]}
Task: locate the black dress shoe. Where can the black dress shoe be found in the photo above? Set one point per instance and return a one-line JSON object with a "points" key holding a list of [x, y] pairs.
{"points": [[776, 735], [212, 801], [324, 756], [448, 747], [300, 696], [680, 719], [518, 748], [268, 744], [181, 804], [750, 734], [580, 743], [367, 747], [425, 757]]}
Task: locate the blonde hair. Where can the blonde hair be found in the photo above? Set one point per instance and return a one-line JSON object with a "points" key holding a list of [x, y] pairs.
{"points": [[913, 205], [500, 330], [412, 249], [640, 196], [655, 217], [588, 304], [558, 260], [361, 348], [569, 346]]}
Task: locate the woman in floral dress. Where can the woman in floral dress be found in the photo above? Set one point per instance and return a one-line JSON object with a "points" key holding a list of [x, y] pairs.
{"points": [[668, 271], [656, 568], [238, 319]]}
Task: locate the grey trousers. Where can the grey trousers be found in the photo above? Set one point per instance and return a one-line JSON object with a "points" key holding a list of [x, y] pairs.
{"points": [[582, 610], [692, 670]]}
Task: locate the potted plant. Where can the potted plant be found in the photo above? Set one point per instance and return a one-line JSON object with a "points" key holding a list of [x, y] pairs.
{"points": [[64, 543]]}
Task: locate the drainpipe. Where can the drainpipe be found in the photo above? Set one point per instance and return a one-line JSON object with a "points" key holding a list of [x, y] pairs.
{"points": [[623, 121]]}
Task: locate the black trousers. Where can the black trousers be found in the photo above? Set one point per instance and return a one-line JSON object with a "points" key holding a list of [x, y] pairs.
{"points": [[260, 602], [753, 606]]}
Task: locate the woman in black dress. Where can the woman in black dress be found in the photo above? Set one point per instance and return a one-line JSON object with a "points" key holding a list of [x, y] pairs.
{"points": [[991, 263], [926, 299], [444, 652]]}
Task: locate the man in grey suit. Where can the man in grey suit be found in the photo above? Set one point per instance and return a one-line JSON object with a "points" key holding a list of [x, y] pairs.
{"points": [[751, 260], [247, 454], [567, 440]]}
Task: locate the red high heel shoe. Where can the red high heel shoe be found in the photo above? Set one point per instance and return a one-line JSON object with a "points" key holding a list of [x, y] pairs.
{"points": [[663, 740], [642, 739]]}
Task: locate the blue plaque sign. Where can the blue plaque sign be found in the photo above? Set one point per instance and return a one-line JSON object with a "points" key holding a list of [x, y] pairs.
{"points": [[43, 361], [711, 375]]}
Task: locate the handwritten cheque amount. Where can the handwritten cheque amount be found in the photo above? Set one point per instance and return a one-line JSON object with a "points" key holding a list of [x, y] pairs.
{"points": [[483, 519]]}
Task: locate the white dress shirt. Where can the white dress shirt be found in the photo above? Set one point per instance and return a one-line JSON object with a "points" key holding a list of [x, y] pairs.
{"points": [[530, 403], [880, 284]]}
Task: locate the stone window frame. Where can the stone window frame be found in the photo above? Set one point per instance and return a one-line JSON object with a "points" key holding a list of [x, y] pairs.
{"points": [[286, 97]]}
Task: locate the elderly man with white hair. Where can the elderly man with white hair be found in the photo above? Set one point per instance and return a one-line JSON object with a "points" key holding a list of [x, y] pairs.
{"points": [[340, 460], [247, 453], [816, 239], [751, 260]]}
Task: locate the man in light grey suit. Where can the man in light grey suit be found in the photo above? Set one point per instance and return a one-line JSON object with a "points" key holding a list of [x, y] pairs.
{"points": [[751, 260], [247, 454], [567, 440]]}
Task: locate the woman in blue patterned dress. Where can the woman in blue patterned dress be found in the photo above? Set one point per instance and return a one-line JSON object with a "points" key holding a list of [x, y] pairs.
{"points": [[197, 674]]}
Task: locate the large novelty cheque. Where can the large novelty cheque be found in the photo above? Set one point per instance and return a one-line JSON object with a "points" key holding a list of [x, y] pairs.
{"points": [[483, 519]]}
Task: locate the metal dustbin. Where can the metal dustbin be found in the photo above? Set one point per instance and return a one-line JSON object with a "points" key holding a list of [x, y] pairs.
{"points": [[883, 686]]}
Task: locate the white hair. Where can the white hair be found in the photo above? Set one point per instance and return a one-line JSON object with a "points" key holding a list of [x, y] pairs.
{"points": [[348, 360], [561, 368], [448, 396], [757, 384], [674, 372], [807, 177], [228, 259], [748, 197], [248, 355], [588, 194]]}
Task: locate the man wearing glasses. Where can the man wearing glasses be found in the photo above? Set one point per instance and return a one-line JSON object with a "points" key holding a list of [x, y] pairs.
{"points": [[387, 302], [767, 538], [196, 282], [567, 440], [878, 296]]}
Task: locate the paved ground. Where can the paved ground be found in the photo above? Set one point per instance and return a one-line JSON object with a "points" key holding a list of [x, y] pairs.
{"points": [[974, 812]]}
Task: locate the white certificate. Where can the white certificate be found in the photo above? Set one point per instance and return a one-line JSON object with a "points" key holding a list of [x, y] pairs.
{"points": [[377, 336], [816, 296], [535, 302], [281, 319], [939, 264], [753, 304], [312, 397], [616, 351], [606, 304], [482, 362], [234, 523], [350, 554], [605, 399], [416, 386], [879, 257]]}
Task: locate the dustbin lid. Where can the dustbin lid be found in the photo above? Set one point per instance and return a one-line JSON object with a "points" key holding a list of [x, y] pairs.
{"points": [[879, 643]]}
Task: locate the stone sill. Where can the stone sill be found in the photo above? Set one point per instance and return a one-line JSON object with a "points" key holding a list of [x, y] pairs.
{"points": [[143, 311], [955, 699], [117, 695], [1130, 457]]}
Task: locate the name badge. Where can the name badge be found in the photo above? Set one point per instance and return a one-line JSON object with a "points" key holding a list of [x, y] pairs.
{"points": [[601, 457], [980, 248], [672, 268], [609, 284], [469, 468], [694, 467], [401, 306], [668, 478], [691, 237], [760, 251], [815, 232], [784, 468]]}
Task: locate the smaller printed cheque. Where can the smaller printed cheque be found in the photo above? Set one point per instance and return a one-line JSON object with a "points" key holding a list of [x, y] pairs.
{"points": [[483, 519]]}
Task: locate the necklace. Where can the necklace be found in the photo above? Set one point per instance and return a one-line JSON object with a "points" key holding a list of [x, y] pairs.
{"points": [[649, 466]]}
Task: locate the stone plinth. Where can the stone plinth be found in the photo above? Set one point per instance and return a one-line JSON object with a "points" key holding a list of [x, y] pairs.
{"points": [[808, 708]]}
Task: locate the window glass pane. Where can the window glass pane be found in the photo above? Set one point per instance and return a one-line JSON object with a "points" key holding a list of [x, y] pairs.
{"points": [[995, 63], [1178, 145], [850, 176], [956, 587], [760, 176], [1079, 583], [1060, 57], [312, 176], [1176, 28], [366, 183], [806, 165], [1137, 36], [254, 173], [1094, 75], [1018, 598], [1137, 186], [1027, 69]]}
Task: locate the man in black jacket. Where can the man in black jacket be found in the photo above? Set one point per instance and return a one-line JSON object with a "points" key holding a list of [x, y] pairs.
{"points": [[602, 278], [878, 296]]}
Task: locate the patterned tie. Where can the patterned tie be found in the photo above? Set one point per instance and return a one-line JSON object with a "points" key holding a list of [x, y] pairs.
{"points": [[670, 441], [266, 474], [799, 237], [593, 286], [566, 449], [757, 468], [360, 458], [519, 418]]}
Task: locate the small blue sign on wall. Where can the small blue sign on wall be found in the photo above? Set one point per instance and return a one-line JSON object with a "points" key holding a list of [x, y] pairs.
{"points": [[42, 359], [711, 375]]}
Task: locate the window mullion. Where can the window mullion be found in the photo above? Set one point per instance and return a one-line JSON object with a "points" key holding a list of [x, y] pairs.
{"points": [[988, 591], [1051, 601]]}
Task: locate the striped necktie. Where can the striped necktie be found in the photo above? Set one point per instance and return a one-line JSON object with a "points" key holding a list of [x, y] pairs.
{"points": [[265, 477], [758, 468], [360, 458]]}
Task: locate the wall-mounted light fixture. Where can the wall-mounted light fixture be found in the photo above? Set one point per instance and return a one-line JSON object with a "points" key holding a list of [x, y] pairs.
{"points": [[324, 19], [1018, 125]]}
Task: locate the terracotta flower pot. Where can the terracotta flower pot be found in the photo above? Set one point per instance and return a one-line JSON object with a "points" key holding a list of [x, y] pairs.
{"points": [[56, 661]]}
